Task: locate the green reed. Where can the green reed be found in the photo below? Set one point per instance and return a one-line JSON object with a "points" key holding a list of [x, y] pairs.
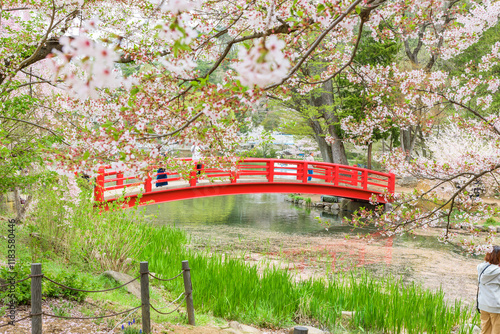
{"points": [[230, 288]]}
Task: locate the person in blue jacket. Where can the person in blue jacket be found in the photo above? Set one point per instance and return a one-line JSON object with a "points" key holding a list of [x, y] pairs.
{"points": [[488, 297]]}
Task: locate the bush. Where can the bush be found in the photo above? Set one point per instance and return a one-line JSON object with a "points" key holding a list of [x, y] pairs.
{"points": [[22, 291], [71, 280], [78, 231]]}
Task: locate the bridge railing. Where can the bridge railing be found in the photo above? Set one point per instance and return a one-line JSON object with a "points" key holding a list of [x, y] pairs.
{"points": [[248, 171]]}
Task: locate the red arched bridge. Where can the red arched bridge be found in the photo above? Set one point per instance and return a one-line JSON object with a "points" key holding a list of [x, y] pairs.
{"points": [[250, 176]]}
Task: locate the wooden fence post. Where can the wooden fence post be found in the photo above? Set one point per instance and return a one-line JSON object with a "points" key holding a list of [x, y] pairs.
{"points": [[36, 298], [300, 330], [146, 317], [188, 290]]}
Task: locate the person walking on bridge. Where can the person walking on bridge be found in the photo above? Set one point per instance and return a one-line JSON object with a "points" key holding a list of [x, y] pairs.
{"points": [[310, 157], [196, 156]]}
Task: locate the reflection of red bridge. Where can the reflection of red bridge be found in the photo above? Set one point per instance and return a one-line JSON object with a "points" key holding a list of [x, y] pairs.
{"points": [[251, 176]]}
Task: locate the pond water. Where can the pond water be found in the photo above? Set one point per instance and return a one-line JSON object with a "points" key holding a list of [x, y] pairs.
{"points": [[264, 214]]}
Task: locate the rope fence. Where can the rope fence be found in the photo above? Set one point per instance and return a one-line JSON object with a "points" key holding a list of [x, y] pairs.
{"points": [[36, 297]]}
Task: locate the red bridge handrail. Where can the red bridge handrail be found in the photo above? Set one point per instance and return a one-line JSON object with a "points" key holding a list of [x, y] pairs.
{"points": [[278, 171]]}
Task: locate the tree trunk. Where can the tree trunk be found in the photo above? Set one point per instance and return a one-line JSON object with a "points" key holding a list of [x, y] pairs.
{"points": [[21, 209], [324, 147], [338, 149], [325, 105]]}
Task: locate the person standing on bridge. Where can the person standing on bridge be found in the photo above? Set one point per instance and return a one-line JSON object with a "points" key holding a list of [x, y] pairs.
{"points": [[488, 296], [196, 155], [310, 157]]}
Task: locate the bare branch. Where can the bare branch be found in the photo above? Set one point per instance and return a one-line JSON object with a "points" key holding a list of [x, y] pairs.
{"points": [[36, 125], [353, 54], [316, 43], [175, 131]]}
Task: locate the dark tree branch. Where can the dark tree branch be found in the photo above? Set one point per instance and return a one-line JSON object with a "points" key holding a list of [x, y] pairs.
{"points": [[317, 42], [365, 15], [36, 125]]}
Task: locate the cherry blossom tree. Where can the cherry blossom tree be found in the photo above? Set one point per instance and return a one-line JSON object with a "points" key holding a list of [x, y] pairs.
{"points": [[115, 77]]}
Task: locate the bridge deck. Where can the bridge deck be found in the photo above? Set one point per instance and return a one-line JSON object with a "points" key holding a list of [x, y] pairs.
{"points": [[250, 176]]}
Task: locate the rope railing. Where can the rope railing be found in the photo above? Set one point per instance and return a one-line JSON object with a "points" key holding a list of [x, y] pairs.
{"points": [[165, 313], [11, 323], [16, 282], [90, 291], [87, 318], [166, 279], [36, 297]]}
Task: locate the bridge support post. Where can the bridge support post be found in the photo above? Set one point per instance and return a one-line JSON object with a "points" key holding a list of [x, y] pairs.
{"points": [[336, 175], [270, 170], [364, 180], [391, 183], [305, 171], [148, 186], [99, 187], [234, 177], [192, 180], [119, 176]]}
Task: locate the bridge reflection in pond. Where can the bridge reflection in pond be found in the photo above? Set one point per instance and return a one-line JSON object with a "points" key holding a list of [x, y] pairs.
{"points": [[266, 212]]}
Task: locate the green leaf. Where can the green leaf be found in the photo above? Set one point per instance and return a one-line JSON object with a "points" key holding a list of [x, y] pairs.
{"points": [[134, 91]]}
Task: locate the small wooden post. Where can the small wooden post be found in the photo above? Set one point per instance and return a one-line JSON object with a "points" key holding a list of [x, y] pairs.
{"points": [[146, 317], [36, 298], [300, 330], [188, 290]]}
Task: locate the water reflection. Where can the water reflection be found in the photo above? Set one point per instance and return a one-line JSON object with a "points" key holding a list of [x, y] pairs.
{"points": [[269, 213], [266, 212]]}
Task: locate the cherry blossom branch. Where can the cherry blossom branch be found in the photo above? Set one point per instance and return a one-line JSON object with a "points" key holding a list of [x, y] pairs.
{"points": [[44, 39], [353, 54], [282, 29], [14, 9], [36, 125], [474, 112], [450, 200], [175, 131], [225, 30], [316, 43]]}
